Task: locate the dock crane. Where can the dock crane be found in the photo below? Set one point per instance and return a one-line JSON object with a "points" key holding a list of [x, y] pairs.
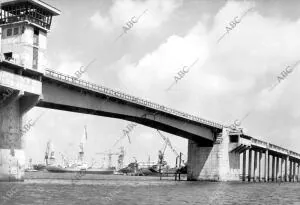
{"points": [[168, 143], [121, 155]]}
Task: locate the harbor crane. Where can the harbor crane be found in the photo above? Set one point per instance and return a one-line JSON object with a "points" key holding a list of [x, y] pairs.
{"points": [[121, 155], [168, 143]]}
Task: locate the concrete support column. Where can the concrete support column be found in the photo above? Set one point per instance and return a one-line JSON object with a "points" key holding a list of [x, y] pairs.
{"points": [[286, 173], [298, 172], [12, 157], [290, 172], [249, 164], [277, 168], [294, 171], [259, 165], [281, 167], [244, 166], [273, 168], [298, 176], [266, 169], [24, 95], [215, 162], [255, 165]]}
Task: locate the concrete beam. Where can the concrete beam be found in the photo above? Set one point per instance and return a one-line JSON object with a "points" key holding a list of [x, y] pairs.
{"points": [[90, 102]]}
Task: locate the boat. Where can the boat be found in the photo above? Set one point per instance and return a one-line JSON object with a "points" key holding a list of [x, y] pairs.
{"points": [[39, 167], [79, 165], [30, 168]]}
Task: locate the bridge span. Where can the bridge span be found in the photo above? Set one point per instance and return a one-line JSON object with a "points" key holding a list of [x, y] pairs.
{"points": [[215, 152]]}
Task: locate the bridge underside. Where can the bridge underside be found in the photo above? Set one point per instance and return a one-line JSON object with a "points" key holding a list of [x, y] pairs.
{"points": [[71, 98]]}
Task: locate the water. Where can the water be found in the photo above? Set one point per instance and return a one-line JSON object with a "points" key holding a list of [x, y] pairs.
{"points": [[49, 188]]}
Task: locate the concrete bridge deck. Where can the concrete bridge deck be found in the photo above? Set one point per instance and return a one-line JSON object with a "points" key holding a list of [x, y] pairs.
{"points": [[245, 139], [214, 150]]}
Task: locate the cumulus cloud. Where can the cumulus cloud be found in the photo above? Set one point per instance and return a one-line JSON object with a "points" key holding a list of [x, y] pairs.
{"points": [[99, 22], [231, 78], [152, 13]]}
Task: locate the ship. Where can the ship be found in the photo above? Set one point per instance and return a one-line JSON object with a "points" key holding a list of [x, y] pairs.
{"points": [[79, 165], [30, 167]]}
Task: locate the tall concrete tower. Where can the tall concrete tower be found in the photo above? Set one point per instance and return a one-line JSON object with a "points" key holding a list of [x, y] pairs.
{"points": [[24, 25]]}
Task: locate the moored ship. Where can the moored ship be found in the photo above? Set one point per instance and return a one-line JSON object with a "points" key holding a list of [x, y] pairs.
{"points": [[78, 166]]}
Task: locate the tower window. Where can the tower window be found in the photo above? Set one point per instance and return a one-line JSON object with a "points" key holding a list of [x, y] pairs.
{"points": [[9, 32], [8, 56], [16, 31], [234, 138], [36, 31]]}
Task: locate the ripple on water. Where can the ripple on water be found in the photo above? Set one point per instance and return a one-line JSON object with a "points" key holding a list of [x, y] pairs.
{"points": [[58, 189]]}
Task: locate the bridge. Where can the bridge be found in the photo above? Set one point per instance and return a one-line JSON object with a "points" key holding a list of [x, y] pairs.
{"points": [[215, 152]]}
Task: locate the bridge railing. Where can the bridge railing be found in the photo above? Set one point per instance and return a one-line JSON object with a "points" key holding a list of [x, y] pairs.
{"points": [[277, 148], [121, 95], [294, 154], [259, 142]]}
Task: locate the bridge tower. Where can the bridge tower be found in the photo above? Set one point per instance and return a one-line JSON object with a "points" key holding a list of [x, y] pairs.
{"points": [[24, 25]]}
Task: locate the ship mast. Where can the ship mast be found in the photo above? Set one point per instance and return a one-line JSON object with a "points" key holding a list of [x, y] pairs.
{"points": [[49, 151], [81, 145]]}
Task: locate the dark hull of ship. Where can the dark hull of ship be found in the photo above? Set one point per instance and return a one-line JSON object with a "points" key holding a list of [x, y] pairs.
{"points": [[83, 171]]}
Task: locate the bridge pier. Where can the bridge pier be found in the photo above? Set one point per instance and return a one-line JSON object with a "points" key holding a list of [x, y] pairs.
{"points": [[255, 166], [244, 166], [290, 172], [266, 169], [259, 166], [249, 164], [12, 108], [277, 168], [213, 163], [12, 157], [286, 169], [298, 172]]}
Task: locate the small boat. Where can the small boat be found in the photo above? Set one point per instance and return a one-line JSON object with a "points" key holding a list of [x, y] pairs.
{"points": [[30, 168], [39, 167]]}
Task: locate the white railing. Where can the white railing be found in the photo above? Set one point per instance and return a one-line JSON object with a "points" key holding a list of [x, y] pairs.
{"points": [[294, 154], [277, 148], [124, 96], [259, 142]]}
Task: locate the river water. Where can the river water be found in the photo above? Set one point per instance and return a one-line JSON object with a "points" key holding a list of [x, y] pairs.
{"points": [[49, 188]]}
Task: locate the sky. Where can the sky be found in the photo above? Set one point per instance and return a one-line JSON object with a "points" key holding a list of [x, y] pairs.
{"points": [[228, 79]]}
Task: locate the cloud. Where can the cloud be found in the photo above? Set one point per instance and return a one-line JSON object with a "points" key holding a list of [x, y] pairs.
{"points": [[99, 22], [231, 78], [152, 13]]}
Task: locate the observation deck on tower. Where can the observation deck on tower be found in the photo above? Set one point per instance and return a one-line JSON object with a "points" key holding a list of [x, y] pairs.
{"points": [[33, 11]]}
